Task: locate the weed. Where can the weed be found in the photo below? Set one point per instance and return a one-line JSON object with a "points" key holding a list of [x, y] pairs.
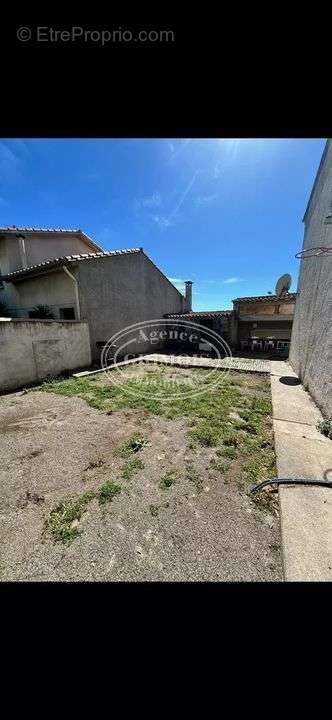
{"points": [[229, 452], [232, 440], [133, 445], [62, 522], [206, 434], [107, 492], [131, 467], [218, 466], [154, 510], [193, 476], [260, 468], [325, 427], [168, 480], [95, 464], [262, 406]]}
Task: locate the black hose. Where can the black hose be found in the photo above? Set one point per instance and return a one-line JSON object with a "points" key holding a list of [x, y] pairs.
{"points": [[290, 481]]}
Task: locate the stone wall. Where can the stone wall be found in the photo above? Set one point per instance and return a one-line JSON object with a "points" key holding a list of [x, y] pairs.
{"points": [[32, 350]]}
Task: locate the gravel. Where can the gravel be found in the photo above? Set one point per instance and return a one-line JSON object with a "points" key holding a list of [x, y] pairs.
{"points": [[53, 447]]}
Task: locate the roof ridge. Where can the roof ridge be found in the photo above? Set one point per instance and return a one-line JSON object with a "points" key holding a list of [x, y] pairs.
{"points": [[14, 228], [200, 312], [252, 298], [55, 262]]}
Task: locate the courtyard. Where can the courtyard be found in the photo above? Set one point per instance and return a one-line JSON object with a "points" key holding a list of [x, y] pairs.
{"points": [[103, 482]]}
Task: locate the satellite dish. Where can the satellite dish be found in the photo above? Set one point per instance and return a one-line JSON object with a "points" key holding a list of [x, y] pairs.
{"points": [[283, 284]]}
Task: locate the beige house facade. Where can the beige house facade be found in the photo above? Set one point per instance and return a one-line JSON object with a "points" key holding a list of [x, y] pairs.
{"points": [[77, 280], [266, 319]]}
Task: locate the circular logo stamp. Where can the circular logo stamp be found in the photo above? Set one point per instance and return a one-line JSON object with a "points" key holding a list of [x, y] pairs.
{"points": [[166, 342]]}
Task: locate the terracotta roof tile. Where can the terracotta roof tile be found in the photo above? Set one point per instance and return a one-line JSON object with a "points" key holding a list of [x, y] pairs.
{"points": [[266, 298], [201, 314], [66, 259], [15, 228]]}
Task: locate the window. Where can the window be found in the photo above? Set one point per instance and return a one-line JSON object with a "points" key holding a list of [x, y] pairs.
{"points": [[67, 313]]}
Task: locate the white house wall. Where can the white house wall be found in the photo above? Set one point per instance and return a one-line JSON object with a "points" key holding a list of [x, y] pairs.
{"points": [[54, 289], [311, 345]]}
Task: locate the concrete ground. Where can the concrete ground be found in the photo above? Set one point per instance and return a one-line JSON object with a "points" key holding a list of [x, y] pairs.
{"points": [[302, 452], [53, 447]]}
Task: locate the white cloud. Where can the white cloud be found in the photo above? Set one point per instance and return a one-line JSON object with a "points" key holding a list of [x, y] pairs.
{"points": [[203, 200], [183, 196], [175, 280], [232, 280], [151, 201], [162, 221]]}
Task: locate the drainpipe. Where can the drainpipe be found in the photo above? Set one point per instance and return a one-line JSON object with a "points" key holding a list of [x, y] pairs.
{"points": [[76, 290], [23, 254]]}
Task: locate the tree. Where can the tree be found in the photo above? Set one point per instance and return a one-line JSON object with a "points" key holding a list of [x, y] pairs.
{"points": [[41, 312]]}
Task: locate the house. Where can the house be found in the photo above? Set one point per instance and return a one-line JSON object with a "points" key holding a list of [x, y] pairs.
{"points": [[263, 322], [311, 343], [219, 321], [25, 247], [76, 279]]}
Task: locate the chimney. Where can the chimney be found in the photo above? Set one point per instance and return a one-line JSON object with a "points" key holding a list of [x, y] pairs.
{"points": [[187, 305]]}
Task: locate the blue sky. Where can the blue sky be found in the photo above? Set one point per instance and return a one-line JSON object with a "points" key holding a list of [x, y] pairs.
{"points": [[226, 214]]}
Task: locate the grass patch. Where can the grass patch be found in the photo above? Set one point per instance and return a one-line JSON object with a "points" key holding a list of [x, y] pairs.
{"points": [[231, 439], [131, 467], [212, 407], [218, 466], [325, 427], [230, 418], [133, 445], [62, 523], [205, 434], [107, 492], [209, 412], [168, 480], [229, 452], [260, 467]]}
